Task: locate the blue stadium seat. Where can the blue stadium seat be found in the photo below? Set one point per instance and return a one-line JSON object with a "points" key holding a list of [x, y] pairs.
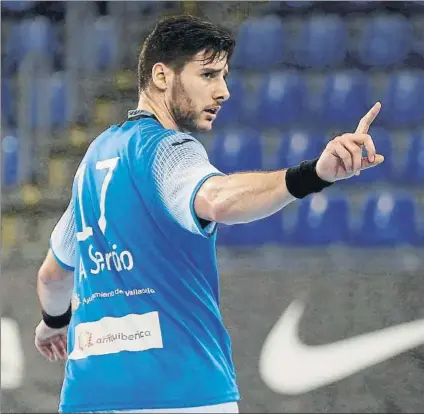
{"points": [[388, 219], [344, 98], [383, 172], [99, 50], [12, 49], [404, 99], [106, 42], [296, 147], [233, 110], [149, 8], [18, 6], [281, 7], [322, 42], [237, 150], [54, 90], [385, 40], [357, 6], [8, 108], [418, 30], [413, 167], [281, 97], [260, 43], [9, 160], [322, 219], [299, 4], [30, 35], [59, 100]]}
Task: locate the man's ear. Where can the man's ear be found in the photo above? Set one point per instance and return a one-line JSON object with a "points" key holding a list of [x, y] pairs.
{"points": [[161, 76]]}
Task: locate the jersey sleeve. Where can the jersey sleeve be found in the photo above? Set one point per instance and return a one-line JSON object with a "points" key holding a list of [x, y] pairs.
{"points": [[180, 167], [63, 239]]}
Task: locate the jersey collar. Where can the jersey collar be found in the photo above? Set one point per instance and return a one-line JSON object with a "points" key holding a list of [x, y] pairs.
{"points": [[135, 114]]}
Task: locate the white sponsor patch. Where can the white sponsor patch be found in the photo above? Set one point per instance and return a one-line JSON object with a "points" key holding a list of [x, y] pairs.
{"points": [[111, 335], [77, 300]]}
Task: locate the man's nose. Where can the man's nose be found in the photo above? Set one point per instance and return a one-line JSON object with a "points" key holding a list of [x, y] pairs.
{"points": [[222, 94]]}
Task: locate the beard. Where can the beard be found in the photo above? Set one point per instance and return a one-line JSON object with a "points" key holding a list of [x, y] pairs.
{"points": [[182, 108]]}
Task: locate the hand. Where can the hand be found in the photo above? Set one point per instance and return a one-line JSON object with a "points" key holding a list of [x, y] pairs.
{"points": [[51, 343], [342, 157]]}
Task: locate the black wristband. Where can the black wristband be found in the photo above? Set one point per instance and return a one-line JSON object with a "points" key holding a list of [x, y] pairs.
{"points": [[303, 179], [57, 322]]}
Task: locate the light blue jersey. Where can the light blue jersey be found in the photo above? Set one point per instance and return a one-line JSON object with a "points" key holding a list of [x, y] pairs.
{"points": [[146, 330]]}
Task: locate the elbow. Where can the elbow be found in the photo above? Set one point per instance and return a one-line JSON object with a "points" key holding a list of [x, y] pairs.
{"points": [[51, 271], [45, 275], [214, 208], [221, 211], [225, 211], [217, 212], [210, 202]]}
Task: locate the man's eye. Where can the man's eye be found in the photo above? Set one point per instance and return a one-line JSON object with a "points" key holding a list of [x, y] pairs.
{"points": [[208, 75]]}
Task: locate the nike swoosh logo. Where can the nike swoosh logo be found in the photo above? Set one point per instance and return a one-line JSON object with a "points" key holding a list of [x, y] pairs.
{"points": [[174, 144], [288, 366]]}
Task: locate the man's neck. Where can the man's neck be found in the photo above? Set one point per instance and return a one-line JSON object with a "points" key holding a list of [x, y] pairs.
{"points": [[158, 109]]}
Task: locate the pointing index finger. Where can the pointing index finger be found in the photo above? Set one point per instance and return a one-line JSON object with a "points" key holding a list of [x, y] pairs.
{"points": [[367, 120]]}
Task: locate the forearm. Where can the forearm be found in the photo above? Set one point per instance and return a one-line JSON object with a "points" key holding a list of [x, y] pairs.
{"points": [[54, 287], [245, 197]]}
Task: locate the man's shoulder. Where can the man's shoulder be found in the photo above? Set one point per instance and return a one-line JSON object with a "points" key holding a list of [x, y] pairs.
{"points": [[172, 140], [182, 139]]}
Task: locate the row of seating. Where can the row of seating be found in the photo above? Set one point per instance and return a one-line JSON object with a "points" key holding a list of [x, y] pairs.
{"points": [[343, 6], [18, 5], [325, 40], [278, 100], [134, 7], [140, 6], [54, 89], [243, 150], [285, 97], [98, 45], [319, 41], [385, 219]]}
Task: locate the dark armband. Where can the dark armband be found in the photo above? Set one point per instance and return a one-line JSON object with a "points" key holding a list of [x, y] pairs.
{"points": [[303, 179], [57, 322]]}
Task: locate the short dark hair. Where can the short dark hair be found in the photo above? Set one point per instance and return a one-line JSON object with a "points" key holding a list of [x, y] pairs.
{"points": [[175, 40]]}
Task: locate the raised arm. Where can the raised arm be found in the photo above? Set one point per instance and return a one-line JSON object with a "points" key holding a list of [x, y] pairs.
{"points": [[245, 197]]}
